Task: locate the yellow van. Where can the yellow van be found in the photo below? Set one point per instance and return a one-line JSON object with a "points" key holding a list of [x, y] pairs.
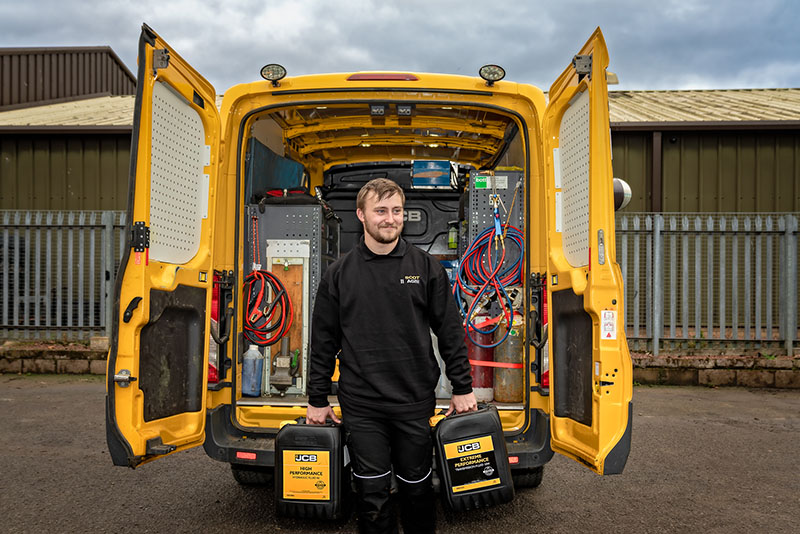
{"points": [[253, 199]]}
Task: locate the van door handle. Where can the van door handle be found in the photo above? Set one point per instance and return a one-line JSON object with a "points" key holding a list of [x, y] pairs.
{"points": [[124, 378]]}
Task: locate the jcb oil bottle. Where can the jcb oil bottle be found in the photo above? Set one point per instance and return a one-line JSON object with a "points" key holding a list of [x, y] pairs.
{"points": [[472, 460], [312, 474]]}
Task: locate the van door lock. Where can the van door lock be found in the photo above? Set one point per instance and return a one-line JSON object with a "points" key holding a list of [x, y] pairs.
{"points": [[124, 378]]}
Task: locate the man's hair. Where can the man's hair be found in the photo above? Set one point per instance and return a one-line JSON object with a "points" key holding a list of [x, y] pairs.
{"points": [[382, 187]]}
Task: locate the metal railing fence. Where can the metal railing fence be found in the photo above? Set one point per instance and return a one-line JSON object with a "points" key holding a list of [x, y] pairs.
{"points": [[57, 272], [721, 281], [718, 281]]}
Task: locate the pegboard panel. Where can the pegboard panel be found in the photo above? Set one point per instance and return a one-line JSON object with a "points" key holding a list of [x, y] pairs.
{"points": [[574, 161], [178, 186], [305, 226], [481, 211]]}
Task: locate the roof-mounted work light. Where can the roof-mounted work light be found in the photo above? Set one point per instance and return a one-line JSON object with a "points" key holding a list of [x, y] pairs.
{"points": [[273, 73], [492, 73]]}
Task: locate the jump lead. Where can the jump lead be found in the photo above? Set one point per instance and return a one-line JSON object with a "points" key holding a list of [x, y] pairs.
{"points": [[263, 324]]}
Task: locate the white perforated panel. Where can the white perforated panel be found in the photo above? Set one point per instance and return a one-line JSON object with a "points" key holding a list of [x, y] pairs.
{"points": [[574, 163], [177, 182]]}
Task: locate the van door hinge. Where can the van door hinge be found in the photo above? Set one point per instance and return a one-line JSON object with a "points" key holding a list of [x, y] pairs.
{"points": [[537, 330], [583, 66], [226, 280], [124, 378], [160, 59], [140, 236], [156, 446]]}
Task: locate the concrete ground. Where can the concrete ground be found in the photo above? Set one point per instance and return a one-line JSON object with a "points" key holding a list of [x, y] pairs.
{"points": [[702, 460]]}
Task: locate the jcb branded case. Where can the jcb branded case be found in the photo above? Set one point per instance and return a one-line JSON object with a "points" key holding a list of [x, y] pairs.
{"points": [[312, 472], [472, 460]]}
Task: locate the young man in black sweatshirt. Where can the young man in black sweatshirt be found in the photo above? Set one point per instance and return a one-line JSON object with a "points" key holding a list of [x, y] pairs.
{"points": [[377, 305]]}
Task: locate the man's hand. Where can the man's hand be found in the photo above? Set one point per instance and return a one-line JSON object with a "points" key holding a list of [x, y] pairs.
{"points": [[462, 403], [318, 416]]}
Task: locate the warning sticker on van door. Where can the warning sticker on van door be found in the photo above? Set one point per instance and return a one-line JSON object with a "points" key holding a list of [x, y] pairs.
{"points": [[608, 321], [306, 475], [471, 464]]}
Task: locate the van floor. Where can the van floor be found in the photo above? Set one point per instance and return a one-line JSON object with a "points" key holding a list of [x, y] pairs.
{"points": [[298, 400]]}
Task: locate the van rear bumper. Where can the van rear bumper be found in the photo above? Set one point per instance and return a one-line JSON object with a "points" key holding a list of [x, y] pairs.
{"points": [[532, 447], [226, 443]]}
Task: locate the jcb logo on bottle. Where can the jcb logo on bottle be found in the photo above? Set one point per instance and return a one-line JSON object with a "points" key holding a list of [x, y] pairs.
{"points": [[305, 457], [467, 447]]}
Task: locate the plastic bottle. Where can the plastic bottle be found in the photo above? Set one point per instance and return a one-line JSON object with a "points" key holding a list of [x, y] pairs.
{"points": [[252, 372]]}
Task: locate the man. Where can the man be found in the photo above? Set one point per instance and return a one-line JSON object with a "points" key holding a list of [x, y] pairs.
{"points": [[377, 304]]}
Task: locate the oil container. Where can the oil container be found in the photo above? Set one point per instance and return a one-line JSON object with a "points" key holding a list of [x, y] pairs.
{"points": [[472, 460], [508, 381], [312, 472]]}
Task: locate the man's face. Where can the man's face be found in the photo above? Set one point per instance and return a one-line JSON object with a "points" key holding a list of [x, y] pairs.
{"points": [[383, 219]]}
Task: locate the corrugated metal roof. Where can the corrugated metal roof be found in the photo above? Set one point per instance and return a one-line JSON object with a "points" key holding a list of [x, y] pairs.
{"points": [[102, 111], [730, 105], [99, 112]]}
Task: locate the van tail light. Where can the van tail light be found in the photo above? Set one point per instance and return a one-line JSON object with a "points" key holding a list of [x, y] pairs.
{"points": [[546, 349], [213, 357], [215, 296], [213, 373], [544, 306]]}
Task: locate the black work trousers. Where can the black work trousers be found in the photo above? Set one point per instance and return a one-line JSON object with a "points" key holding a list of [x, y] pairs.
{"points": [[377, 447]]}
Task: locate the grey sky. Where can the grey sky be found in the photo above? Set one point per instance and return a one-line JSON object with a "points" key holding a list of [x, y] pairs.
{"points": [[668, 44]]}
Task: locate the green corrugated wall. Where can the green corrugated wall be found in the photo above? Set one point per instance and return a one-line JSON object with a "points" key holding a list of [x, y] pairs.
{"points": [[731, 171], [632, 160], [711, 172], [64, 172], [702, 171]]}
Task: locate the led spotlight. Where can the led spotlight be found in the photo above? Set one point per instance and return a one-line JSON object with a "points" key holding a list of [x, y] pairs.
{"points": [[492, 73], [273, 73]]}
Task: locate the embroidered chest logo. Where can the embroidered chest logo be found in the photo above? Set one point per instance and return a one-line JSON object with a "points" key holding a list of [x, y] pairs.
{"points": [[410, 279]]}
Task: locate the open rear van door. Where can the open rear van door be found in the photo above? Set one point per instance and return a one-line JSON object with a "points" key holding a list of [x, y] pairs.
{"points": [[590, 367], [156, 377]]}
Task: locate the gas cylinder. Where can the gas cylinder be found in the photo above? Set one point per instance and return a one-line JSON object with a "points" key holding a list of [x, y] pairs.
{"points": [[482, 376], [508, 382], [252, 371]]}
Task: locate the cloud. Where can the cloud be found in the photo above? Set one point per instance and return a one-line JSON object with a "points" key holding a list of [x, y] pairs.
{"points": [[669, 44]]}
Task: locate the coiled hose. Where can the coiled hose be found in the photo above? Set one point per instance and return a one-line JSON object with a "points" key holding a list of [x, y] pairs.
{"points": [[479, 278]]}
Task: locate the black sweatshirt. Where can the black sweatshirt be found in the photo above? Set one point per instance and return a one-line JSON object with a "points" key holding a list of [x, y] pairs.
{"points": [[379, 311]]}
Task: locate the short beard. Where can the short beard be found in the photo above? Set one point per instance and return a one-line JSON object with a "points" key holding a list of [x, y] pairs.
{"points": [[376, 235]]}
